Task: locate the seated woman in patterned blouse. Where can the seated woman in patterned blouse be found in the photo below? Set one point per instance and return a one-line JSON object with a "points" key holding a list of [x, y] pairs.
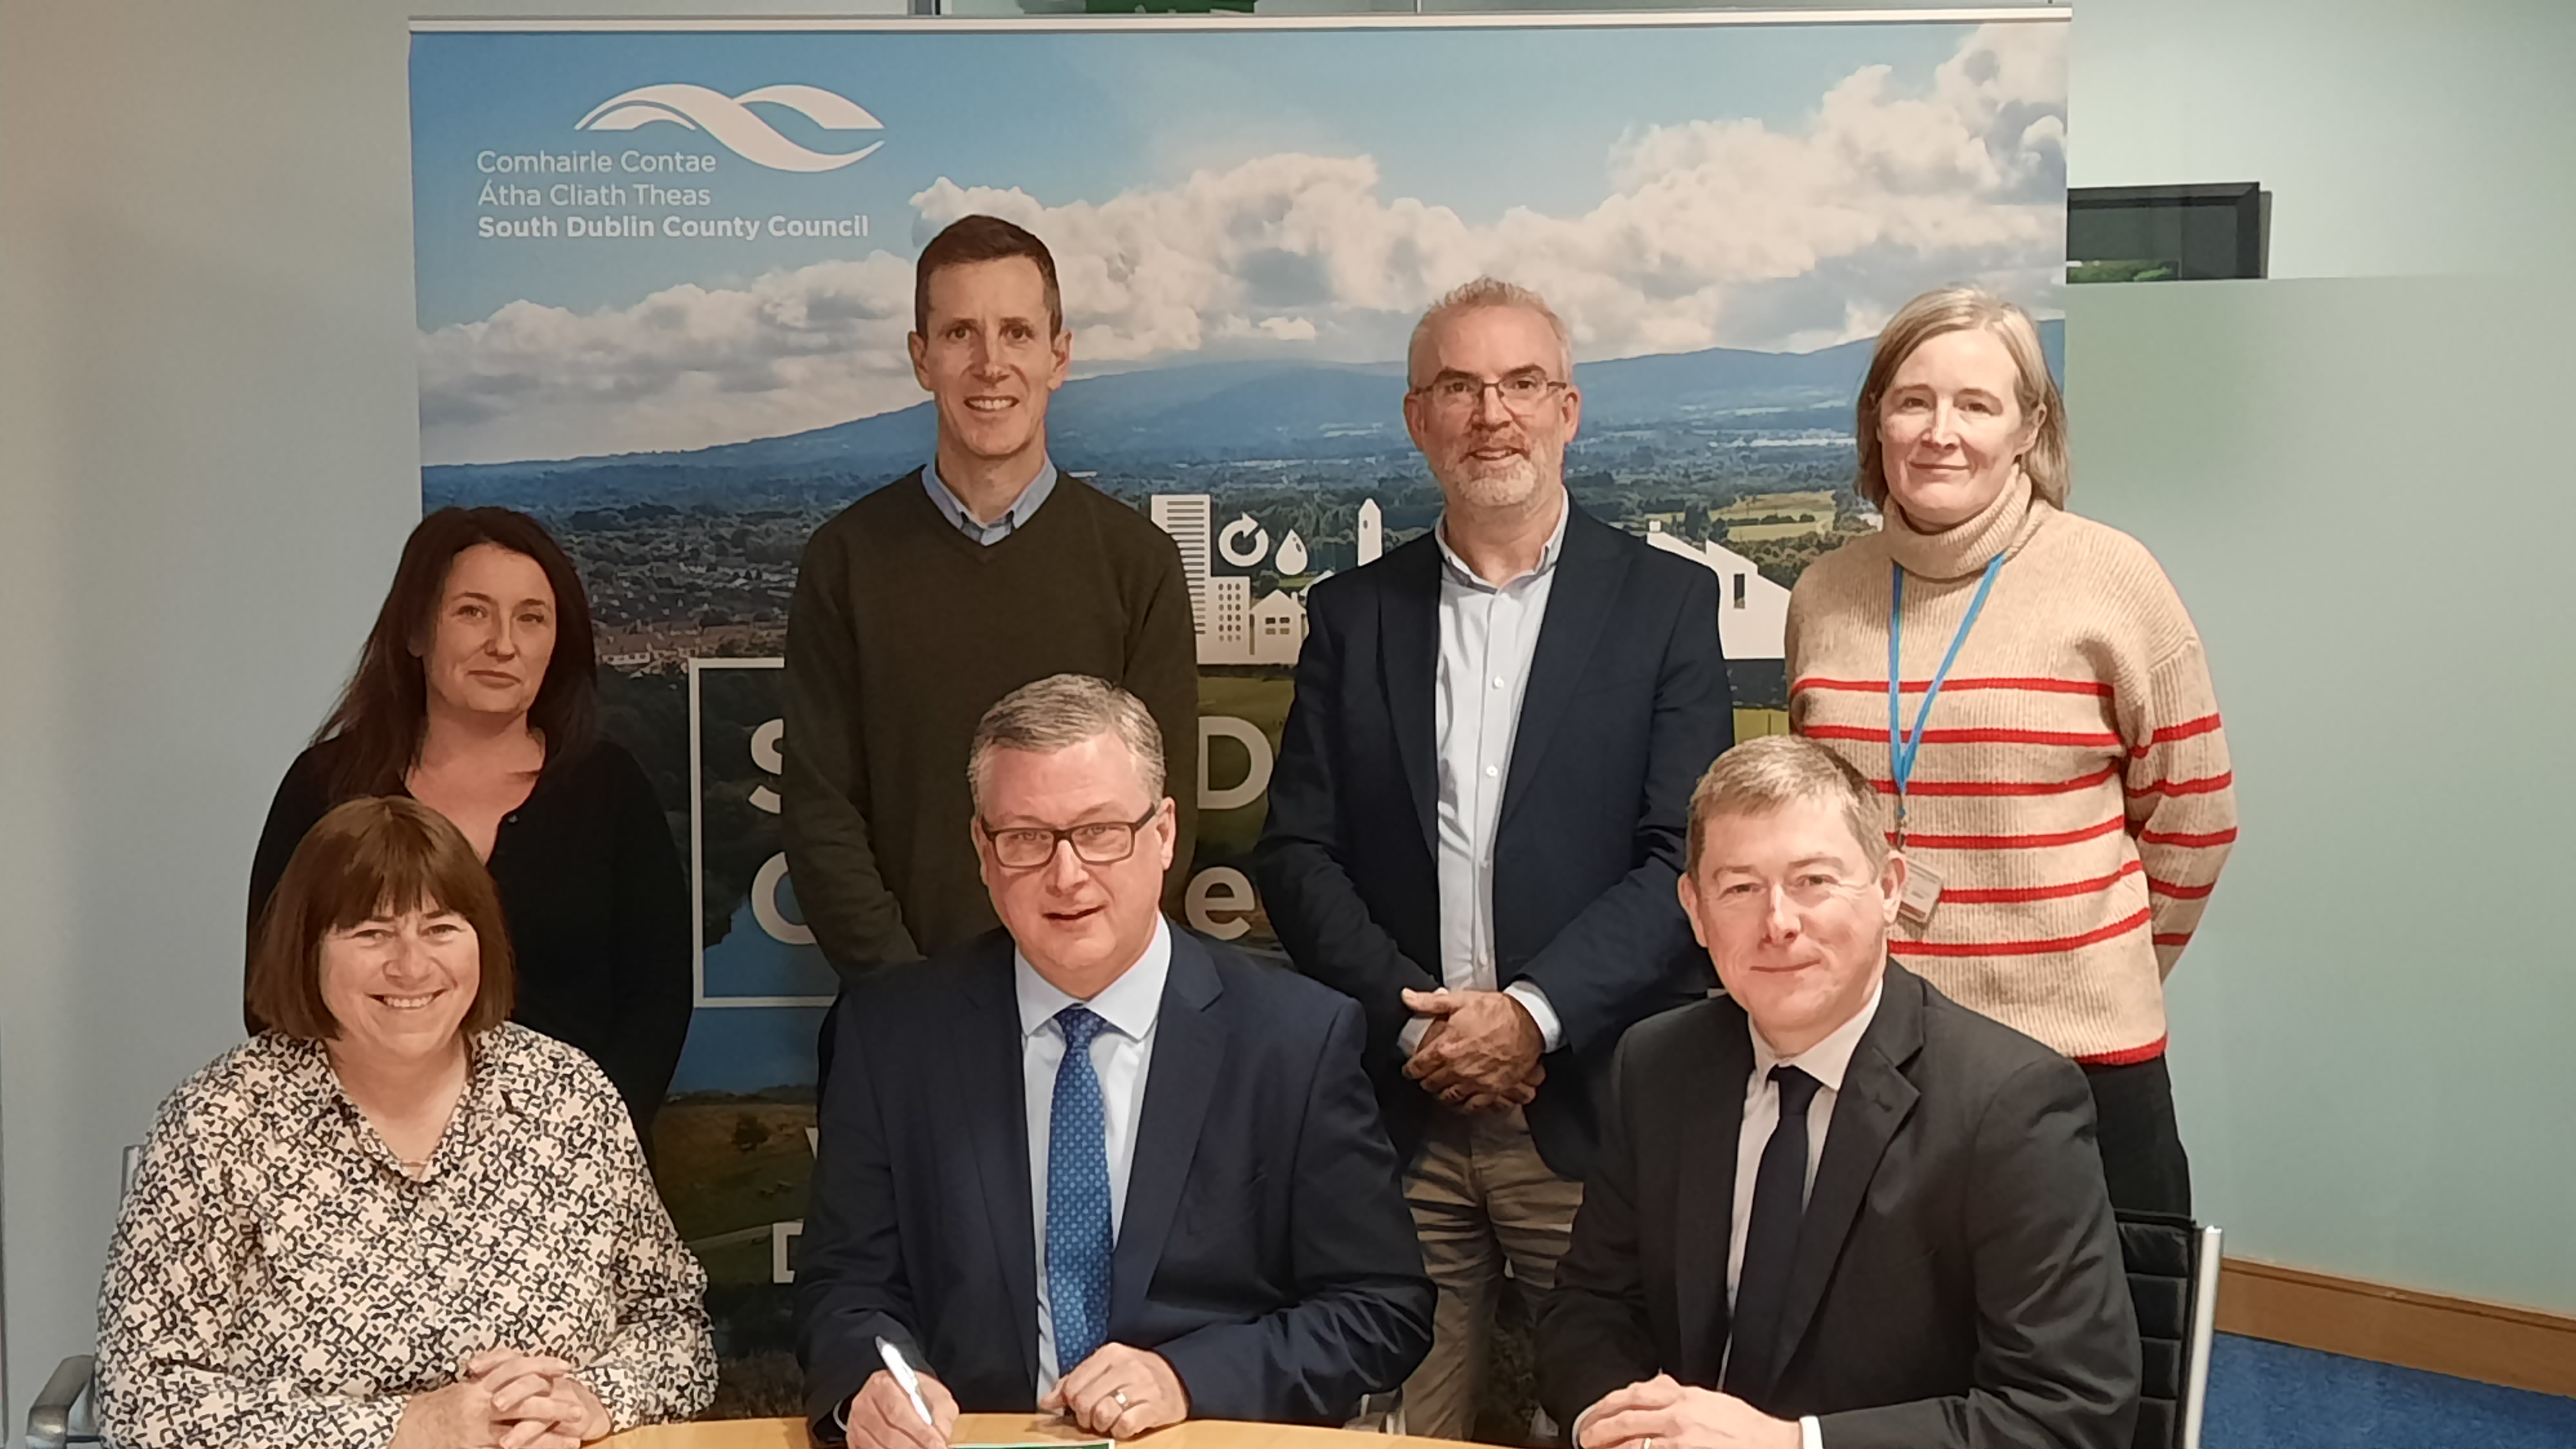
{"points": [[394, 1218]]}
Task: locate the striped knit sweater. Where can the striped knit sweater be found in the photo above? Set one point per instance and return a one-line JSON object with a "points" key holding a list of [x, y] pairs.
{"points": [[2072, 786]]}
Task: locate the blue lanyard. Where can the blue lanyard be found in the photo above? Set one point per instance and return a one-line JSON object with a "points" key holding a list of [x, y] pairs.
{"points": [[1900, 754]]}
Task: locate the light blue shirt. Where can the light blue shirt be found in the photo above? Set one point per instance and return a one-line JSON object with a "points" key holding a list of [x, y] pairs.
{"points": [[1488, 636], [1000, 528], [1121, 1056]]}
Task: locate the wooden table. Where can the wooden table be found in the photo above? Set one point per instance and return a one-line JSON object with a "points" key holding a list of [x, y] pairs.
{"points": [[1024, 1428]]}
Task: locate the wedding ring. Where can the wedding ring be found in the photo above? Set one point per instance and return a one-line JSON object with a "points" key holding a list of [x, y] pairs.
{"points": [[1121, 1396]]}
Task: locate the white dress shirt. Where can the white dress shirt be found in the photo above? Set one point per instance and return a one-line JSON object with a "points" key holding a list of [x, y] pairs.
{"points": [[953, 508], [1121, 1056], [1827, 1061], [1488, 636]]}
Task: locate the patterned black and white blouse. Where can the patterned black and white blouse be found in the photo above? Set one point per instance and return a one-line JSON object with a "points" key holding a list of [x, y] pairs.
{"points": [[278, 1281]]}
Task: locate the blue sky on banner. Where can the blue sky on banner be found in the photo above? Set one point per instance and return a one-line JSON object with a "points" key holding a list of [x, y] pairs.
{"points": [[1208, 195]]}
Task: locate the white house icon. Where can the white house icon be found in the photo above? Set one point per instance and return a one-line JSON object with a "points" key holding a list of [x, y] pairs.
{"points": [[1752, 611]]}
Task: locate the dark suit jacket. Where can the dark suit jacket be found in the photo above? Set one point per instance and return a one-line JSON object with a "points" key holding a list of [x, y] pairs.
{"points": [[1958, 1278], [1264, 1251], [1627, 702]]}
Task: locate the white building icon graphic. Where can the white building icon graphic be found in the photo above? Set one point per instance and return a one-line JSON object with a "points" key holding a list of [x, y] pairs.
{"points": [[1190, 518], [1752, 611], [1278, 629], [1232, 628], [1229, 629]]}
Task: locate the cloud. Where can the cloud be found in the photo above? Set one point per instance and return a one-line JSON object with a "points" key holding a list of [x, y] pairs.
{"points": [[1711, 233], [683, 368]]}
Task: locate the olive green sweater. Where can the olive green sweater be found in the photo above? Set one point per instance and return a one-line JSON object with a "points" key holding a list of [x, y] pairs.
{"points": [[902, 633]]}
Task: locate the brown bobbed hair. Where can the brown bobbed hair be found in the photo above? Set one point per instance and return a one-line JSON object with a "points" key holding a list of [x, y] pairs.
{"points": [[983, 239], [1957, 309], [385, 708], [365, 858]]}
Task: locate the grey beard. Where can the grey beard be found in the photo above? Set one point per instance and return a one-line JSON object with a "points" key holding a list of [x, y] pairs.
{"points": [[1506, 489]]}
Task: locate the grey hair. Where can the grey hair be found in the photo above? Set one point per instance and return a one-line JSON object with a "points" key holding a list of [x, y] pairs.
{"points": [[1059, 712], [1762, 775], [1489, 292]]}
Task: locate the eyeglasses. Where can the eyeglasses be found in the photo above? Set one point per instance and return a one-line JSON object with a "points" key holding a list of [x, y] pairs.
{"points": [[1102, 843], [1456, 392]]}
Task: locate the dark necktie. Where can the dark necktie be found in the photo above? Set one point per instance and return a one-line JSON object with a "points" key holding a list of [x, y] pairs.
{"points": [[1771, 1239], [1077, 1225]]}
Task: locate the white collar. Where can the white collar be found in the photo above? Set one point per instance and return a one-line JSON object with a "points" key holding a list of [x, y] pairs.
{"points": [[1546, 556], [1829, 1059], [1129, 1004]]}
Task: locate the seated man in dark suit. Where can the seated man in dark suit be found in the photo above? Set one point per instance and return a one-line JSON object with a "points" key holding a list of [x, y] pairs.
{"points": [[1834, 1208], [1090, 1163]]}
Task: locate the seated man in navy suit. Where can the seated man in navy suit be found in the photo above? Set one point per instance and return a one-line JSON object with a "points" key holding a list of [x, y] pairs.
{"points": [[1090, 1163]]}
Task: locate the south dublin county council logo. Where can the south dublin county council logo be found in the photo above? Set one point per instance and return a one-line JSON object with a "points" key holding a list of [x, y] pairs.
{"points": [[736, 126]]}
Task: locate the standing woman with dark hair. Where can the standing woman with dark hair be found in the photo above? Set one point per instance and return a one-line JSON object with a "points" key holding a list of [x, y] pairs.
{"points": [[477, 695], [2051, 753]]}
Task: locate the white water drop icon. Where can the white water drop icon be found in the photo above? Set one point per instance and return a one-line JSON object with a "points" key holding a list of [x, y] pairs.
{"points": [[1292, 554]]}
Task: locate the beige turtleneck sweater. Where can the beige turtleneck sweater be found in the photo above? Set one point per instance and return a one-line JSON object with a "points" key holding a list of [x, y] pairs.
{"points": [[2072, 787]]}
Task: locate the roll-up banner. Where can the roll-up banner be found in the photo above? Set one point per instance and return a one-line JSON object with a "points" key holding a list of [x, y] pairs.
{"points": [[666, 272]]}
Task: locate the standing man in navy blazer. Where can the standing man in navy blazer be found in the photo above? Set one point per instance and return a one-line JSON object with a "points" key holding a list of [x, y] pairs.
{"points": [[1089, 1163], [1479, 809]]}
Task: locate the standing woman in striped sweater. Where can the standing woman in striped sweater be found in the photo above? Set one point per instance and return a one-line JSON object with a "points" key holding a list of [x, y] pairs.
{"points": [[2051, 756]]}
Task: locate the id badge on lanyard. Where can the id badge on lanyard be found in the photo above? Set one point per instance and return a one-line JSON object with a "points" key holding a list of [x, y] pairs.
{"points": [[1922, 883]]}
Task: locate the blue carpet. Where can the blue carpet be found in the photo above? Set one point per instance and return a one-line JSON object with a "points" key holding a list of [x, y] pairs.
{"points": [[2271, 1396]]}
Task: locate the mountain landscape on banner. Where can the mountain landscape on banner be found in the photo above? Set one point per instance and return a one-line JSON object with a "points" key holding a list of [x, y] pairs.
{"points": [[1252, 414]]}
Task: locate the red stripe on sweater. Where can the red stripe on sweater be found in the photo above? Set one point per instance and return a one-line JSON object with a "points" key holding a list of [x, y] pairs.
{"points": [[2010, 895], [2129, 1058], [2187, 840], [2171, 733], [2031, 684], [2093, 937], [2001, 787], [2207, 785], [2014, 842], [2179, 892], [2087, 738], [2176, 938]]}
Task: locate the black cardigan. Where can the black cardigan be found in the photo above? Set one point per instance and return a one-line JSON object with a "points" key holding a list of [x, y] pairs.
{"points": [[598, 908]]}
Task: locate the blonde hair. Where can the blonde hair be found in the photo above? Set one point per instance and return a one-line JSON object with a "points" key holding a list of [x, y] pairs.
{"points": [[1762, 775], [1957, 309], [1059, 712], [1489, 292]]}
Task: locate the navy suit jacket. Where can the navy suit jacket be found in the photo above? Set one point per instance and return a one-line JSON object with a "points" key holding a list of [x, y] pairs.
{"points": [[1264, 1251], [1627, 703]]}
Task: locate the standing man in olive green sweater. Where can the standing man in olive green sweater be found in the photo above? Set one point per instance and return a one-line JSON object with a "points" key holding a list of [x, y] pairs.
{"points": [[930, 598]]}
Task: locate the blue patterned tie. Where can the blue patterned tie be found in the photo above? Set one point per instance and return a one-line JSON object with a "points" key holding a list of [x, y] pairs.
{"points": [[1077, 1225]]}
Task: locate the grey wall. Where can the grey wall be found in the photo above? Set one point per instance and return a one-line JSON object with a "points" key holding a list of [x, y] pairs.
{"points": [[2353, 485], [2396, 136], [208, 460]]}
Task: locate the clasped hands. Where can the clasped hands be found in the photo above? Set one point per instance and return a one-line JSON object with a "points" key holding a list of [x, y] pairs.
{"points": [[1661, 1413], [1118, 1391], [1482, 1051], [506, 1400]]}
